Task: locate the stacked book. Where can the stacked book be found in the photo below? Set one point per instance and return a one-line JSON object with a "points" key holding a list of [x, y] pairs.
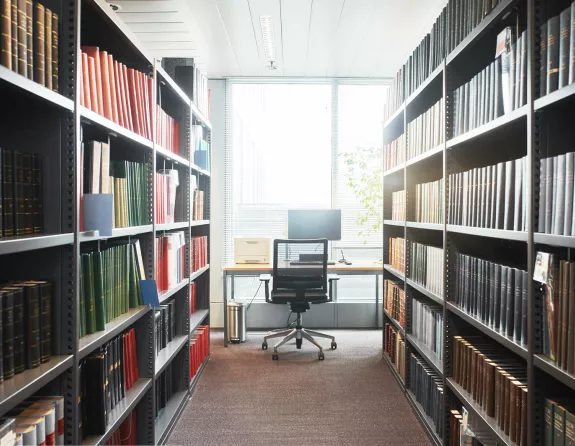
{"points": [[127, 433], [556, 195], [494, 294], [199, 349], [167, 182], [105, 377], [26, 326], [427, 131], [394, 348], [165, 325], [394, 301], [427, 267], [397, 253], [198, 253], [200, 148], [21, 194], [492, 197], [171, 253], [398, 205], [109, 284], [559, 416], [558, 309], [429, 202], [498, 89], [496, 381], [167, 131], [427, 326], [427, 388], [122, 95], [557, 52], [198, 205], [30, 41], [394, 153]]}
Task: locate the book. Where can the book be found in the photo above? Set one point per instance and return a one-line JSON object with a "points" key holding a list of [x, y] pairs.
{"points": [[426, 131], [429, 202], [393, 348], [556, 195], [427, 327], [564, 42], [393, 301], [171, 249], [398, 200], [427, 388], [394, 153], [552, 80], [427, 267]]}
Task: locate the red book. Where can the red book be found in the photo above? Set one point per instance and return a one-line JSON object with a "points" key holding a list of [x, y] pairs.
{"points": [[86, 101], [128, 432], [92, 82], [94, 52], [140, 98], [133, 100], [119, 102], [128, 105], [106, 93], [113, 98], [150, 103]]}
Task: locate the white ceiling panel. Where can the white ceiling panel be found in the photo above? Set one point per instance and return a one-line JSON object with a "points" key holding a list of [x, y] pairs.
{"points": [[295, 18], [260, 8]]}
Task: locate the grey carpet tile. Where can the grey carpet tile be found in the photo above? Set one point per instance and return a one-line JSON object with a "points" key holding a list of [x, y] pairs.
{"points": [[350, 398]]}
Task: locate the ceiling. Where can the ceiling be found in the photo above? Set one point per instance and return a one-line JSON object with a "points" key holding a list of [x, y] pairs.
{"points": [[313, 38]]}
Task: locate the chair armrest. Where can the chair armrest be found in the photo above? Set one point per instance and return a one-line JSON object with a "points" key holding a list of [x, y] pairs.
{"points": [[332, 278], [265, 278]]}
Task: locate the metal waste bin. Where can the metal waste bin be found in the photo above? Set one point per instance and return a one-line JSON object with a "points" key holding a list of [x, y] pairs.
{"points": [[236, 322]]}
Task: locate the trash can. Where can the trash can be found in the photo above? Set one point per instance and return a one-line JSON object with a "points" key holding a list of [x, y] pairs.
{"points": [[236, 322]]}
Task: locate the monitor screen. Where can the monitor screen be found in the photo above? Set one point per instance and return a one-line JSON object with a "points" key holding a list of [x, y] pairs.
{"points": [[310, 224]]}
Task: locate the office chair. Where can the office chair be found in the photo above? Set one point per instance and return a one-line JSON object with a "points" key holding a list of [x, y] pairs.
{"points": [[299, 286]]}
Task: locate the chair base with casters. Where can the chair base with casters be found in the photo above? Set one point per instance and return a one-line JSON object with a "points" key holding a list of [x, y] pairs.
{"points": [[299, 334]]}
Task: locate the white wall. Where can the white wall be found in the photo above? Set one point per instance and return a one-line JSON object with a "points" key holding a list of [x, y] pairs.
{"points": [[217, 117]]}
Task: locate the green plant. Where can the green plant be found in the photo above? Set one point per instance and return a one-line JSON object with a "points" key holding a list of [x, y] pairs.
{"points": [[365, 178]]}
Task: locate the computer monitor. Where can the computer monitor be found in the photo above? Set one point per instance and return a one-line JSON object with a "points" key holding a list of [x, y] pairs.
{"points": [[317, 223]]}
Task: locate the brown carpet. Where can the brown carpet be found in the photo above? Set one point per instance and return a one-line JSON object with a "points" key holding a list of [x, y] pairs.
{"points": [[350, 398]]}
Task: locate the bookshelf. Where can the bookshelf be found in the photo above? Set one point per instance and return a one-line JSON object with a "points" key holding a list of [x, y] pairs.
{"points": [[538, 128], [60, 125]]}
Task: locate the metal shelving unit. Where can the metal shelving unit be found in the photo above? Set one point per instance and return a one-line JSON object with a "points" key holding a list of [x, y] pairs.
{"points": [[61, 123]]}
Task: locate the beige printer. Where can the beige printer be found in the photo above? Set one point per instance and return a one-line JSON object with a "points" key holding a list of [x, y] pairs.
{"points": [[252, 250]]}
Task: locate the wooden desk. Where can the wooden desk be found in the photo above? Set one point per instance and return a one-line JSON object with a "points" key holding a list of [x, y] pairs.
{"points": [[356, 269]]}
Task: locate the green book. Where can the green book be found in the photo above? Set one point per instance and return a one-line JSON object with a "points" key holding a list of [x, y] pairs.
{"points": [[88, 293], [558, 425], [100, 305], [82, 315]]}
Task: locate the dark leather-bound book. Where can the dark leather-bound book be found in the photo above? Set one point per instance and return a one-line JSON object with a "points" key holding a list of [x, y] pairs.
{"points": [[37, 191], [510, 302], [552, 54], [564, 40], [524, 291], [518, 307], [503, 300], [6, 34], [45, 289], [8, 193], [491, 304], [55, 50], [39, 44], [31, 324], [564, 312], [19, 345], [543, 61], [18, 187], [48, 47], [94, 372], [22, 39], [8, 333], [29, 41], [28, 191], [571, 319], [14, 32]]}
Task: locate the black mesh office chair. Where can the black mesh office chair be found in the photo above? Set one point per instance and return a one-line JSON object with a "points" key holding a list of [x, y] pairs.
{"points": [[299, 286]]}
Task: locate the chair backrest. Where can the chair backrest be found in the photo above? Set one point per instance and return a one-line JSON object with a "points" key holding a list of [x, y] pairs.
{"points": [[300, 278]]}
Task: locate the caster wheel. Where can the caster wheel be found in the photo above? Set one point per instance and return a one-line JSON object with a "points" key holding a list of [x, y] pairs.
{"points": [[298, 343], [264, 345], [334, 345], [320, 356], [275, 357]]}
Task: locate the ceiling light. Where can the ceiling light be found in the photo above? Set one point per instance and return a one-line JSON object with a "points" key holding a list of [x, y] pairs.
{"points": [[268, 37]]}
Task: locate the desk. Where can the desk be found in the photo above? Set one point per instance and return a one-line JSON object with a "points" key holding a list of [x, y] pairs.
{"points": [[359, 269]]}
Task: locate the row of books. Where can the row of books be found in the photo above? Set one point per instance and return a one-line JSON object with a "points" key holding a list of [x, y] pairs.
{"points": [[199, 348], [394, 301], [38, 420], [496, 381], [498, 89], [556, 195], [557, 52], [105, 377], [170, 381], [26, 326], [427, 267], [29, 42], [118, 93], [427, 388], [165, 325], [396, 253], [427, 326], [21, 193], [559, 416], [394, 348], [109, 284], [558, 278], [167, 182], [167, 131], [426, 131], [398, 201], [429, 202], [494, 294], [470, 434], [127, 433], [190, 79], [198, 205], [171, 252], [493, 197], [457, 19], [394, 153], [199, 253], [200, 148]]}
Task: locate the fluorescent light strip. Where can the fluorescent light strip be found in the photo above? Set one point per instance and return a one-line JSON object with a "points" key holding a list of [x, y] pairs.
{"points": [[268, 37]]}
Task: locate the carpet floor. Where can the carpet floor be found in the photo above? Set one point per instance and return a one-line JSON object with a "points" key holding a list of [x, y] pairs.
{"points": [[350, 398]]}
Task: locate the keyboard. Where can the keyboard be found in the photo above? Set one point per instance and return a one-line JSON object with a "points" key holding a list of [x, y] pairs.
{"points": [[310, 262]]}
